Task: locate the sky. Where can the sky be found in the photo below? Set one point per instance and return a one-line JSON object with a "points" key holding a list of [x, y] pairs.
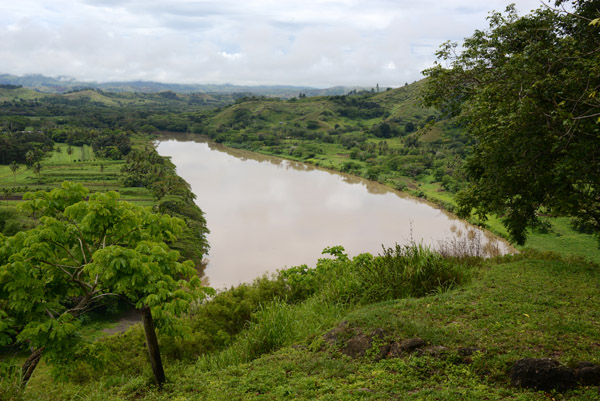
{"points": [[318, 43]]}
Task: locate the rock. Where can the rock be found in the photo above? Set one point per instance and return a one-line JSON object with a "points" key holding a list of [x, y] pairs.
{"points": [[588, 374], [384, 350], [435, 351], [333, 336], [379, 333], [394, 351], [357, 346], [543, 374], [411, 345]]}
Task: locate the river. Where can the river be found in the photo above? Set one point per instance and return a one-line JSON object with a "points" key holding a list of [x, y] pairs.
{"points": [[265, 213]]}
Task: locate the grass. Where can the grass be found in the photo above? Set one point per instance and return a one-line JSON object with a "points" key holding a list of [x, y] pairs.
{"points": [[531, 305], [96, 174]]}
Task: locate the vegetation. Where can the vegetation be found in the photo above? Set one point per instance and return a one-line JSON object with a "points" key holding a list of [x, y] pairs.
{"points": [[514, 132], [526, 90], [287, 336], [83, 251]]}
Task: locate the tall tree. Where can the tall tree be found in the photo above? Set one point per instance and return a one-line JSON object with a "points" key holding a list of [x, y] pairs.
{"points": [[528, 90], [37, 169], [14, 167], [83, 251]]}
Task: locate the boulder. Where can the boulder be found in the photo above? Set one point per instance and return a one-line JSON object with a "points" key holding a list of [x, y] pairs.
{"points": [[588, 374], [543, 374]]}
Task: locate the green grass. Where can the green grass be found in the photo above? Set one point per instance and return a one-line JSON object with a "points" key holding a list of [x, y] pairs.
{"points": [[96, 174], [534, 305]]}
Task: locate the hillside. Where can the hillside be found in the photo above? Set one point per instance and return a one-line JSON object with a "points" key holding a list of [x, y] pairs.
{"points": [[451, 345], [386, 136]]}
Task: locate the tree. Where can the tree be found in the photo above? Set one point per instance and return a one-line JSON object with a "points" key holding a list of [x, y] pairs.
{"points": [[69, 150], [528, 91], [81, 252], [30, 158], [37, 169], [7, 192], [14, 167]]}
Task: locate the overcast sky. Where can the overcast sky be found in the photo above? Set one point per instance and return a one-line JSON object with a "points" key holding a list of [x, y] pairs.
{"points": [[318, 43]]}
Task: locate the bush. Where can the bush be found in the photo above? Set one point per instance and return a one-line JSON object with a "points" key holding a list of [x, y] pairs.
{"points": [[408, 271]]}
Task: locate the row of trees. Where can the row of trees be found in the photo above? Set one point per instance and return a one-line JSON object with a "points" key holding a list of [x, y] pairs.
{"points": [[146, 168]]}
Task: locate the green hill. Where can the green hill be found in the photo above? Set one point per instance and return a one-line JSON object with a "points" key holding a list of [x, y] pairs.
{"points": [[323, 342], [387, 136]]}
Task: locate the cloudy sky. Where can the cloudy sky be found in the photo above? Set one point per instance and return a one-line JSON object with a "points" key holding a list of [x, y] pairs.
{"points": [[299, 42]]}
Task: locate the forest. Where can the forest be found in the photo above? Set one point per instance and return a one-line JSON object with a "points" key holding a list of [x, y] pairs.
{"points": [[95, 225]]}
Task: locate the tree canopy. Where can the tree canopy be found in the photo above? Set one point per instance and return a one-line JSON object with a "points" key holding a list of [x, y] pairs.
{"points": [[86, 249], [528, 90]]}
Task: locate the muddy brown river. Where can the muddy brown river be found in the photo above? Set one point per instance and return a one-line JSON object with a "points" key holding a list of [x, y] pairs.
{"points": [[265, 213]]}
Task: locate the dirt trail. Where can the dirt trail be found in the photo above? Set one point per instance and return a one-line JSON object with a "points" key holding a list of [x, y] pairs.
{"points": [[130, 318]]}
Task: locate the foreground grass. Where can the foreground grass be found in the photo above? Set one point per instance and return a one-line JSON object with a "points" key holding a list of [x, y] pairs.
{"points": [[533, 305]]}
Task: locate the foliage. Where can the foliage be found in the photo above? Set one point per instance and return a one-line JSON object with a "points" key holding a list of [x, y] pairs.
{"points": [[15, 146], [82, 251], [550, 311], [527, 90], [145, 167]]}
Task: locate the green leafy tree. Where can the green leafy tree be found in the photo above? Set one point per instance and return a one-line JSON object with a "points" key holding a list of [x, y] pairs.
{"points": [[528, 91], [81, 252], [14, 167], [30, 158]]}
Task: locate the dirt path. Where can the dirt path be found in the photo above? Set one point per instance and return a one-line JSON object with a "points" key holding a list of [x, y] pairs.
{"points": [[130, 318]]}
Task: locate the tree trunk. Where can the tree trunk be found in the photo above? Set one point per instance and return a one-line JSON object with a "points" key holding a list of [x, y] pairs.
{"points": [[29, 365], [152, 343]]}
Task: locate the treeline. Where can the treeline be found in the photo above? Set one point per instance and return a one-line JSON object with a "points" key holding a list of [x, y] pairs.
{"points": [[146, 168], [23, 147], [28, 147]]}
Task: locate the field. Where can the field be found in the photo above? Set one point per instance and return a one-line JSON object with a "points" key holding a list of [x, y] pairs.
{"points": [[98, 175]]}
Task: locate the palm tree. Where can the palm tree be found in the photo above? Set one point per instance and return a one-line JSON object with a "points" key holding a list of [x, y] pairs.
{"points": [[37, 169], [29, 158], [14, 166]]}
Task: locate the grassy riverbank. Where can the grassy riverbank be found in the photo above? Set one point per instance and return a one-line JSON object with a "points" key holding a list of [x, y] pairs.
{"points": [[499, 311]]}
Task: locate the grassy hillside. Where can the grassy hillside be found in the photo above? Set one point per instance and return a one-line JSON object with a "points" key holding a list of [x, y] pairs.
{"points": [[327, 346]]}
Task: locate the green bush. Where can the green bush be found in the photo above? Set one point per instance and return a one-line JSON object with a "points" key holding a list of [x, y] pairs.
{"points": [[408, 271]]}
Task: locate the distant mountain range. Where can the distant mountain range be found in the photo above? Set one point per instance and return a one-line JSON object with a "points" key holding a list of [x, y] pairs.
{"points": [[64, 84]]}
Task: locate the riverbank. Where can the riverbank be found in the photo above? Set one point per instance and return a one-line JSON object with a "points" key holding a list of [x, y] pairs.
{"points": [[456, 344]]}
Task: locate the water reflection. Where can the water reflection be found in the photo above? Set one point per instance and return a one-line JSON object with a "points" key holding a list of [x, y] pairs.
{"points": [[265, 213]]}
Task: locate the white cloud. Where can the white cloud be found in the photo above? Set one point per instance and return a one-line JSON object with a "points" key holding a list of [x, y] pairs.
{"points": [[309, 42]]}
